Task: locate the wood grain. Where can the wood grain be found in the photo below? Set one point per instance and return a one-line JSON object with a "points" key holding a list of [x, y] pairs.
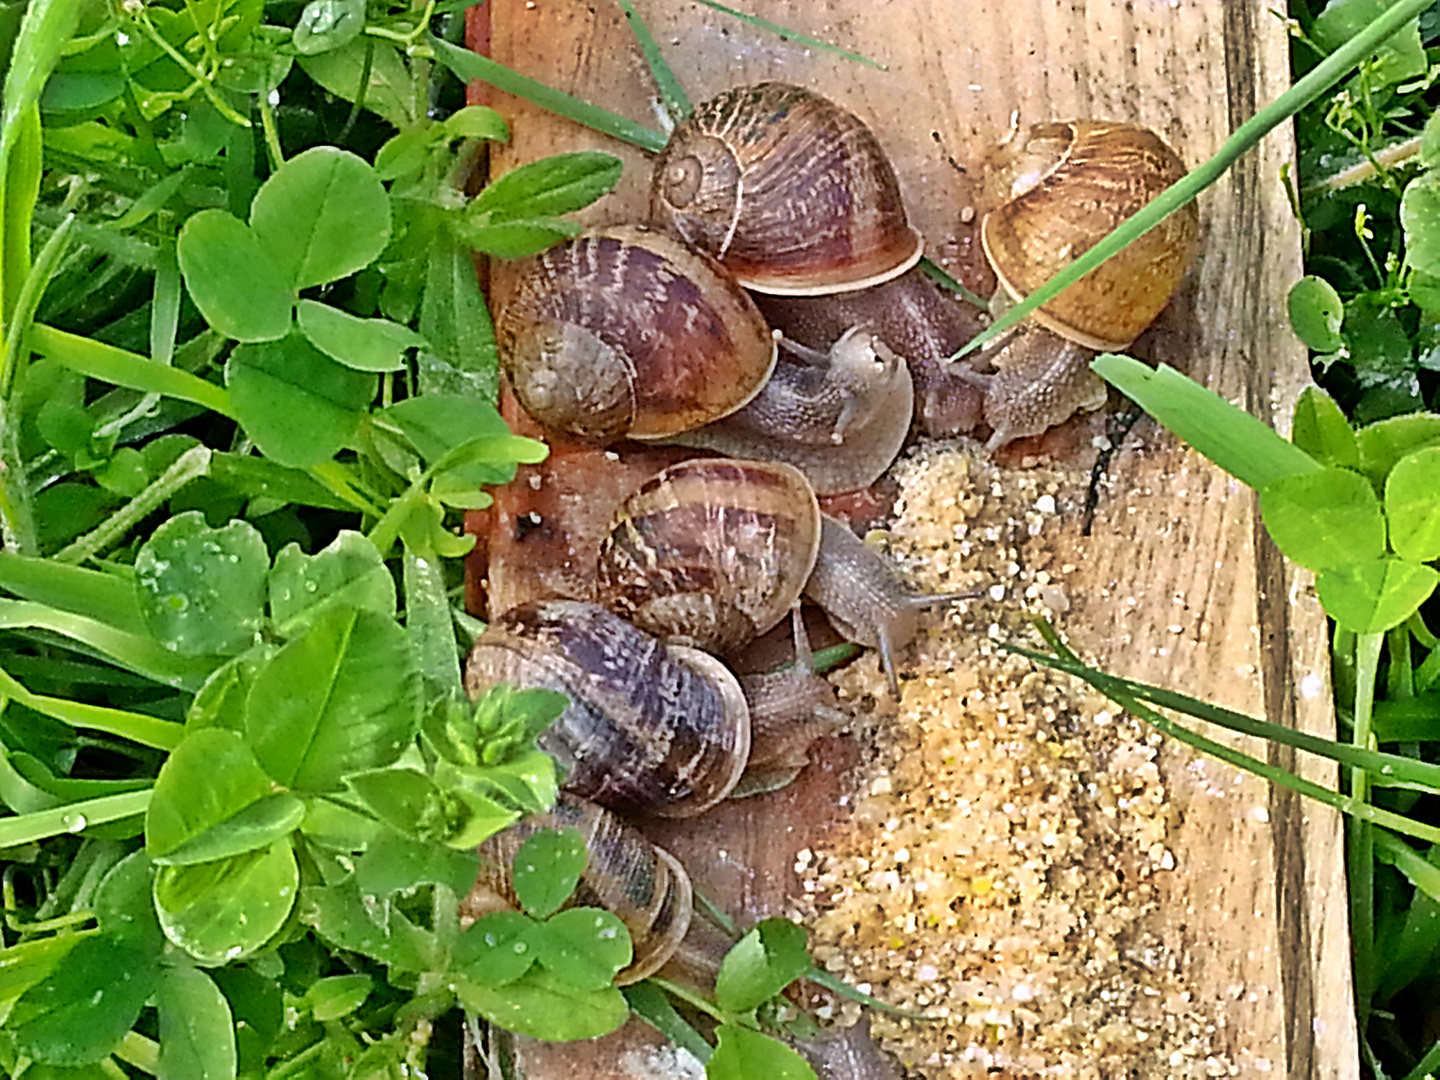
{"points": [[1178, 584]]}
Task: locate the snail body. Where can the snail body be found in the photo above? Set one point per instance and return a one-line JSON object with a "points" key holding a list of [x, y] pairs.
{"points": [[840, 418], [642, 884], [1072, 183], [915, 320], [712, 552], [625, 332], [648, 728], [790, 191]]}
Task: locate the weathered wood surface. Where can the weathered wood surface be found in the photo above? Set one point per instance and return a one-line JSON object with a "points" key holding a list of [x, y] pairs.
{"points": [[1177, 584]]}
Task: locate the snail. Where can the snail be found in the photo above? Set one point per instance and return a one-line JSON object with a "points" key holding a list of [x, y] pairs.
{"points": [[711, 552], [648, 728], [625, 332], [790, 191], [864, 598], [1073, 182], [640, 883], [914, 319], [839, 417]]}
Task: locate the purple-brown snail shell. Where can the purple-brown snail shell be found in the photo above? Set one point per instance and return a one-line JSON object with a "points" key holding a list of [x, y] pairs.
{"points": [[790, 191], [648, 729], [641, 884], [624, 332]]}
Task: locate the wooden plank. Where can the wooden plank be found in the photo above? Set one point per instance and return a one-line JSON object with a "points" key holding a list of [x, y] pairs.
{"points": [[1173, 581]]}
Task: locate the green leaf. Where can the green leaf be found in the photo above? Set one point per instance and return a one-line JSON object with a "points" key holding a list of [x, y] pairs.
{"points": [[394, 862], [1430, 142], [328, 24], [544, 1007], [466, 436], [1316, 312], [462, 358], [202, 590], [234, 279], [583, 947], [225, 910], [197, 1032], [1321, 430], [1324, 519], [24, 965], [77, 1013], [1379, 345], [348, 571], [1375, 596], [298, 405], [323, 215], [1385, 442], [258, 825], [1412, 505], [1424, 292], [761, 964], [220, 702], [513, 239], [547, 869], [1243, 446], [123, 905], [742, 1054], [552, 185], [389, 91], [208, 779], [1420, 218], [495, 949], [363, 344], [476, 122], [337, 996], [1401, 57], [345, 918], [343, 697], [404, 799]]}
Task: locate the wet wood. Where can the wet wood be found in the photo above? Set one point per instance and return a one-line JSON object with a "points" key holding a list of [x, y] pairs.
{"points": [[1177, 584]]}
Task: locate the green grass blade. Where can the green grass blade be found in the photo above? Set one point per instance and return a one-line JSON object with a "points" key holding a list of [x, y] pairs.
{"points": [[672, 94], [119, 367], [1429, 1066], [1247, 448], [136, 652], [1323, 76], [1392, 767], [43, 824], [469, 65], [648, 1001], [792, 35], [938, 275], [106, 598], [1421, 873], [137, 727]]}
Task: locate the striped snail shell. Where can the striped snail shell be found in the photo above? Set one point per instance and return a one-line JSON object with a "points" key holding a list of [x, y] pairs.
{"points": [[624, 332], [642, 885], [648, 728], [1073, 182], [712, 552], [790, 191]]}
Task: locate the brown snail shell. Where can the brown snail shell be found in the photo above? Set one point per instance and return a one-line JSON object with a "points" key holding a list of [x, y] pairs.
{"points": [[790, 191], [648, 728], [642, 885], [712, 552], [1075, 181], [625, 332], [839, 417]]}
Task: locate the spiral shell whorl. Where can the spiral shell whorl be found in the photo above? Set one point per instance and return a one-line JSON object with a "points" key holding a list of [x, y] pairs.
{"points": [[626, 332], [791, 192]]}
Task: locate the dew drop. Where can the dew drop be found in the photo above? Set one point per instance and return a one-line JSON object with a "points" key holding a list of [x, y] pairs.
{"points": [[490, 940], [74, 822], [520, 947]]}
